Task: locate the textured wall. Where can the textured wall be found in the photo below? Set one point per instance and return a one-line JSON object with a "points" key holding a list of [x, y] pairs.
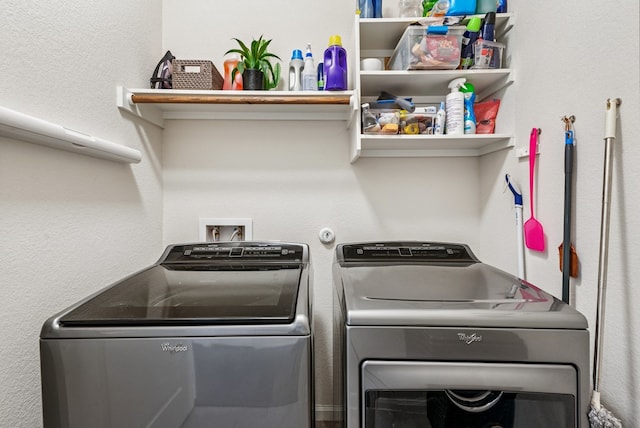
{"points": [[63, 61], [70, 224], [569, 61], [294, 178]]}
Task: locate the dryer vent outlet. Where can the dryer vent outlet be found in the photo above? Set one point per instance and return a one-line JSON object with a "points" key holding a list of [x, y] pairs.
{"points": [[225, 229]]}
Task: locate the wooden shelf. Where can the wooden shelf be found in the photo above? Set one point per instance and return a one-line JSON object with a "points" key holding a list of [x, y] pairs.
{"points": [[157, 105]]}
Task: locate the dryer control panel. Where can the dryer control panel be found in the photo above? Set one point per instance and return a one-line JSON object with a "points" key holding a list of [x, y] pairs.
{"points": [[405, 252]]}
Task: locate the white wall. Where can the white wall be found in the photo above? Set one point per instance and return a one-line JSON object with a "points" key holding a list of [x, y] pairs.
{"points": [[63, 61], [294, 178], [70, 223], [569, 60]]}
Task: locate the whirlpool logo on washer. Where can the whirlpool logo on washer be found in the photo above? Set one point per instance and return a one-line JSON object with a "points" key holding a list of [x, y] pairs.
{"points": [[469, 338], [174, 349]]}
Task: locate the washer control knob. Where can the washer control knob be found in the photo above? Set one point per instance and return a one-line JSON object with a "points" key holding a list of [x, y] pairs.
{"points": [[326, 235]]}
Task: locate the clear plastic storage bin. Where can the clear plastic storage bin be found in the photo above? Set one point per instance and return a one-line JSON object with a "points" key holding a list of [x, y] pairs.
{"points": [[428, 48], [487, 54], [421, 121], [384, 121]]}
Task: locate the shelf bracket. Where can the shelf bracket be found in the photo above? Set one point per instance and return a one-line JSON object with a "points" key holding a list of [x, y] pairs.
{"points": [[488, 92], [147, 113]]}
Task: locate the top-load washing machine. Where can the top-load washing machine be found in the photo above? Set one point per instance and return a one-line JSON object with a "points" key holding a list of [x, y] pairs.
{"points": [[211, 335], [428, 336]]}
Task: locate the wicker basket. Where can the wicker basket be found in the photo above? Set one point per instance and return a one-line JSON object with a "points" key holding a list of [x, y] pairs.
{"points": [[195, 74]]}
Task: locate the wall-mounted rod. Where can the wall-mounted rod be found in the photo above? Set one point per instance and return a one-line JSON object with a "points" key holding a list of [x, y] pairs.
{"points": [[33, 130]]}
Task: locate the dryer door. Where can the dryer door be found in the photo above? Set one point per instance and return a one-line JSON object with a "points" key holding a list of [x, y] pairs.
{"points": [[447, 395]]}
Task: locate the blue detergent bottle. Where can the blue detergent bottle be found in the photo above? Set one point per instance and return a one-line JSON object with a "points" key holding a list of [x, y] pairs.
{"points": [[469, 93]]}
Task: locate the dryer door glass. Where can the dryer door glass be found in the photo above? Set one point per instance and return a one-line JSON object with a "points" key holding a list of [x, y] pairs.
{"points": [[468, 395], [438, 409]]}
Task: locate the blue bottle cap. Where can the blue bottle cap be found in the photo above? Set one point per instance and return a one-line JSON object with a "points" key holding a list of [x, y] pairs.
{"points": [[297, 54]]}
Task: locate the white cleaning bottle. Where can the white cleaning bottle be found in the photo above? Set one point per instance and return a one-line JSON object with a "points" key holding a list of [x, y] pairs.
{"points": [[438, 128], [309, 73], [295, 70], [454, 105]]}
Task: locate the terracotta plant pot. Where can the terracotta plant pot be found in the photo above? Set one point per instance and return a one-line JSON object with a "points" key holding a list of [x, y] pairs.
{"points": [[253, 80]]}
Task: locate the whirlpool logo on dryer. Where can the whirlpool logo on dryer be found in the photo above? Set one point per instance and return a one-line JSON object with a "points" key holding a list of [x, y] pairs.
{"points": [[469, 338], [174, 349]]}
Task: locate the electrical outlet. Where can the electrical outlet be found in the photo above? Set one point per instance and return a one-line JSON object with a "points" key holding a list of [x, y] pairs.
{"points": [[225, 229]]}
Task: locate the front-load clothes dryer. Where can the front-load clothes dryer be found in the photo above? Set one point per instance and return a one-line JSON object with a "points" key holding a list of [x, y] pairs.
{"points": [[211, 335], [426, 335]]}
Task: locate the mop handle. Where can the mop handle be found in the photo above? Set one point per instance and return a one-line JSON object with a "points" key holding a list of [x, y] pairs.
{"points": [[610, 135], [568, 184]]}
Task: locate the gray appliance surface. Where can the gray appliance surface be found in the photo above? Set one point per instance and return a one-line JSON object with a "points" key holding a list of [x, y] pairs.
{"points": [[429, 315], [213, 334], [441, 284]]}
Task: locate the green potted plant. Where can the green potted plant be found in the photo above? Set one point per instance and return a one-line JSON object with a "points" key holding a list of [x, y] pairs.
{"points": [[255, 66]]}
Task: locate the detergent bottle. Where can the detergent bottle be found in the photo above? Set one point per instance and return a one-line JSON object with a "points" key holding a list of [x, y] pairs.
{"points": [[295, 70], [469, 38], [454, 107], [468, 91], [335, 65]]}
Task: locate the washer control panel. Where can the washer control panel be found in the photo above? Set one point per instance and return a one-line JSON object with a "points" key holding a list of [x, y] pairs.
{"points": [[229, 251]]}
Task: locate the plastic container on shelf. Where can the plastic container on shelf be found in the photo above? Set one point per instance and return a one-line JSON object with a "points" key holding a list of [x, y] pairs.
{"points": [[229, 64], [421, 121], [461, 7], [485, 6], [335, 65], [366, 8], [454, 107], [410, 8], [468, 40], [487, 54], [295, 70], [380, 120], [309, 73], [434, 48]]}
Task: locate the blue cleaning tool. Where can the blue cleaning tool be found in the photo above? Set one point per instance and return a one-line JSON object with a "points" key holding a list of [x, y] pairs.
{"points": [[517, 202]]}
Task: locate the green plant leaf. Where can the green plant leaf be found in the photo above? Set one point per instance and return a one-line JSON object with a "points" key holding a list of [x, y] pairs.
{"points": [[257, 56]]}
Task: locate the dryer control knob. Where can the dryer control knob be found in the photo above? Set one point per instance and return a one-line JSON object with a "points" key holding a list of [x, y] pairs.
{"points": [[327, 236]]}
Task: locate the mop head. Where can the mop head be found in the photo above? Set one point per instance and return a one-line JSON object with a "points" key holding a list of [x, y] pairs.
{"points": [[599, 417]]}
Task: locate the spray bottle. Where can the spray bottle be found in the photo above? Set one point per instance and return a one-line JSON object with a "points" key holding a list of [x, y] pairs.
{"points": [[454, 107], [295, 70], [438, 128], [309, 76], [468, 91]]}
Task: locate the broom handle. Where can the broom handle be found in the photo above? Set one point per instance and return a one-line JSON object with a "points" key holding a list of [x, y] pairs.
{"points": [[610, 135]]}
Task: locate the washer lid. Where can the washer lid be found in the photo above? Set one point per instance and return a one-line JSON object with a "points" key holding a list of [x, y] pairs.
{"points": [[441, 293], [202, 284]]}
